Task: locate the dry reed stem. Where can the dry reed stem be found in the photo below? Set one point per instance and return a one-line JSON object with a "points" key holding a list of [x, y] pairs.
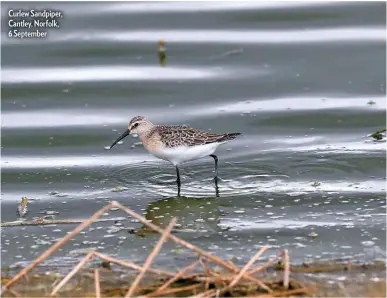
{"points": [[217, 293], [208, 293], [232, 264], [14, 293], [55, 247], [150, 258], [260, 283], [282, 293], [89, 256], [213, 279], [237, 278], [195, 276], [257, 281], [173, 279], [206, 286], [248, 265], [224, 277], [130, 264], [176, 290], [205, 267], [286, 269], [241, 273], [97, 285], [217, 278], [264, 266], [291, 292]]}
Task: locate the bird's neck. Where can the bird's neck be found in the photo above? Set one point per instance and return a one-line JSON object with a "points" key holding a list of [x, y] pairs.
{"points": [[150, 142], [146, 132]]}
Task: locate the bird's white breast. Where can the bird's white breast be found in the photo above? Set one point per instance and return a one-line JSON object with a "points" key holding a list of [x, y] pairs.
{"points": [[178, 155]]}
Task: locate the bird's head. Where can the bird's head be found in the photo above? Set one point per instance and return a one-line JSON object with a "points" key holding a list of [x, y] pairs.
{"points": [[138, 125]]}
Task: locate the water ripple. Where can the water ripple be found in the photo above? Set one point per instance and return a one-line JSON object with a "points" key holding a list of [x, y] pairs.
{"points": [[351, 34], [106, 73], [165, 7], [310, 36], [299, 103], [98, 117], [29, 162], [197, 181]]}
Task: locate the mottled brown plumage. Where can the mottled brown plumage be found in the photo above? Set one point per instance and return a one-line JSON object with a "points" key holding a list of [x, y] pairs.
{"points": [[177, 135]]}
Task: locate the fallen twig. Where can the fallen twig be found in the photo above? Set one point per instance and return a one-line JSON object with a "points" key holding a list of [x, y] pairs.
{"points": [[150, 258], [48, 222]]}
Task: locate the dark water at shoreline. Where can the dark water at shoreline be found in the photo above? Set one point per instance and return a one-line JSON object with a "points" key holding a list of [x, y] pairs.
{"points": [[294, 78]]}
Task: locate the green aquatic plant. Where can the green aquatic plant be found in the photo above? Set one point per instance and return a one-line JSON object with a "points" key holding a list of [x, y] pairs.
{"points": [[378, 135], [119, 188]]}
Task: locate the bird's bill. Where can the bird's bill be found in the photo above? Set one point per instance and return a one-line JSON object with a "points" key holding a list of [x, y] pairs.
{"points": [[125, 134]]}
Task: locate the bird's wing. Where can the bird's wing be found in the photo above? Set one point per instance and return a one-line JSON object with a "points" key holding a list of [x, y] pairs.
{"points": [[174, 136]]}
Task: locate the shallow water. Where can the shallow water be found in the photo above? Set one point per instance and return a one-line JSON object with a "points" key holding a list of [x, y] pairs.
{"points": [[295, 78]]}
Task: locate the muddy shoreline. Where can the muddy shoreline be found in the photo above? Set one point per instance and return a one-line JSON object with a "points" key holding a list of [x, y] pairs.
{"points": [[320, 279]]}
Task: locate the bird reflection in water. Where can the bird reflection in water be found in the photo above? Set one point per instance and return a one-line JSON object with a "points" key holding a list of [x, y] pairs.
{"points": [[194, 214]]}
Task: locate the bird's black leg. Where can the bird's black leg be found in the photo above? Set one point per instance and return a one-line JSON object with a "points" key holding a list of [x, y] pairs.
{"points": [[216, 174], [216, 167], [178, 181]]}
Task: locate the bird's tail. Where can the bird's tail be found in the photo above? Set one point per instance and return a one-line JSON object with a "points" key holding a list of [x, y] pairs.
{"points": [[229, 136]]}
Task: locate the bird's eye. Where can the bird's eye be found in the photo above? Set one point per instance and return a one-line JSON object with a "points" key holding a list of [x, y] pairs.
{"points": [[135, 125]]}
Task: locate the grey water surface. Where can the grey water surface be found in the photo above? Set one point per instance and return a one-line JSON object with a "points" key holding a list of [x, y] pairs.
{"points": [[304, 83]]}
